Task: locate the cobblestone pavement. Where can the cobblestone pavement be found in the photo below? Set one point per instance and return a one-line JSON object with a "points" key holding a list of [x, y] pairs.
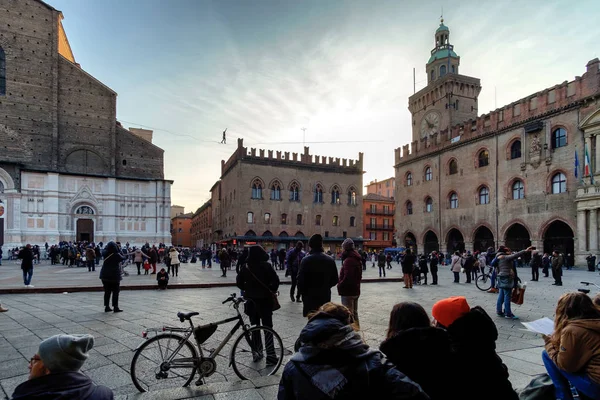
{"points": [[33, 317]]}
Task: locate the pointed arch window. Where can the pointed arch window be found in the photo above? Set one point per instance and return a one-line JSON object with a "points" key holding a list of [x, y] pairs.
{"points": [[276, 191], [294, 191], [335, 221], [518, 190], [428, 174], [559, 183], [318, 193], [335, 195], [453, 200], [299, 219], [428, 205], [559, 138], [250, 217], [352, 221], [408, 179], [351, 196], [484, 195], [267, 218], [515, 150], [318, 220], [483, 158], [283, 219], [409, 208], [2, 72], [453, 167], [257, 189], [442, 70]]}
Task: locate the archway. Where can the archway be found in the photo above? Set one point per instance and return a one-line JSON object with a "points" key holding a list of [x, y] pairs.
{"points": [[410, 242], [483, 239], [455, 241], [250, 233], [85, 230], [559, 236], [517, 237], [431, 242]]}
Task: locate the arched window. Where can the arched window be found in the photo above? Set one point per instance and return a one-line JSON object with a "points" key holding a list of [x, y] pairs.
{"points": [[428, 174], [335, 195], [559, 138], [428, 204], [432, 74], [515, 150], [453, 69], [318, 193], [442, 70], [294, 191], [453, 167], [335, 221], [484, 195], [267, 218], [408, 179], [559, 183], [299, 219], [283, 219], [409, 208], [351, 196], [453, 200], [276, 191], [518, 190], [483, 158], [250, 217], [318, 220], [86, 210], [352, 221], [2, 72], [257, 189]]}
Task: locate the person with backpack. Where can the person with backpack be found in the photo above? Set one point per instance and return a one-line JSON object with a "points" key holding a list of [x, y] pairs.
{"points": [[294, 257], [536, 263]]}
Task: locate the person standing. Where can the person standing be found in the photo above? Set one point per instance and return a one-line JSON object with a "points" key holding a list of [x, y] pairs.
{"points": [[381, 258], [174, 261], [433, 267], [456, 265], [153, 255], [138, 258], [225, 261], [281, 254], [536, 263], [423, 267], [317, 275], [557, 263], [469, 264], [26, 256], [408, 265], [224, 141], [90, 258], [350, 277], [507, 279], [546, 265], [110, 274], [591, 261], [294, 258]]}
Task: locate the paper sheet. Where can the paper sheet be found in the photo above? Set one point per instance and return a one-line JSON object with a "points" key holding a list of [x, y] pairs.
{"points": [[544, 326]]}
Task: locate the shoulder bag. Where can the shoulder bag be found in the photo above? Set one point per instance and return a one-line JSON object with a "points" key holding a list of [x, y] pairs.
{"points": [[276, 305]]}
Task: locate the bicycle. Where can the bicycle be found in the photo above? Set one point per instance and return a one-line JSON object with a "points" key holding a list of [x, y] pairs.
{"points": [[163, 360], [484, 281], [587, 291]]}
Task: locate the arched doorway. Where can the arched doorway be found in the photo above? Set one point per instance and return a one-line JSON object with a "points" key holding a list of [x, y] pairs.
{"points": [[559, 236], [455, 241], [483, 239], [517, 237], [85, 230], [410, 242], [431, 243]]}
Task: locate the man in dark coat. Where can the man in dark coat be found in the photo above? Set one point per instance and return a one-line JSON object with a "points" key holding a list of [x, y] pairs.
{"points": [[433, 267], [26, 256], [317, 275], [557, 262], [294, 258], [469, 265], [54, 372], [110, 274]]}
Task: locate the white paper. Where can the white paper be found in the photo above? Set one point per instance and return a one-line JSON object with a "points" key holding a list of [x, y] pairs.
{"points": [[544, 326]]}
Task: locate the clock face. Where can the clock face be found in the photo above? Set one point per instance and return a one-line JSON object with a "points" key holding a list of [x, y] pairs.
{"points": [[430, 124]]}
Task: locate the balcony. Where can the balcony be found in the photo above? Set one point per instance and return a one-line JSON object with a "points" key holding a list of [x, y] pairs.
{"points": [[380, 212], [379, 227]]}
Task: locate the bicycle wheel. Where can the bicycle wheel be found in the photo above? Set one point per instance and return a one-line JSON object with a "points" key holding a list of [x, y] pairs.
{"points": [[257, 352], [483, 282], [151, 368]]}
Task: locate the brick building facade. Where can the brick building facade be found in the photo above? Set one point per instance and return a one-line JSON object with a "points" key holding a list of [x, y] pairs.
{"points": [[202, 226], [181, 230], [385, 188], [378, 221], [506, 177], [277, 198], [68, 169]]}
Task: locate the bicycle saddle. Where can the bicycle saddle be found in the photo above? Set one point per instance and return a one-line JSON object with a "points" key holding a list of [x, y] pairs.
{"points": [[186, 315]]}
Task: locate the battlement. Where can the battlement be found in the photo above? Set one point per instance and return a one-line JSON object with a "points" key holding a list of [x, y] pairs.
{"points": [[527, 109], [292, 160]]}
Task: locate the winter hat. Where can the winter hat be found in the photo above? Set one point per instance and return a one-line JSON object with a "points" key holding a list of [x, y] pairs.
{"points": [[448, 310], [61, 353], [348, 244], [315, 241]]}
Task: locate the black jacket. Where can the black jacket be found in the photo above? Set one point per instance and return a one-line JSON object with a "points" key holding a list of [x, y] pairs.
{"points": [[111, 270], [473, 342], [424, 355], [254, 287], [26, 256], [62, 386], [348, 369], [408, 264], [317, 275]]}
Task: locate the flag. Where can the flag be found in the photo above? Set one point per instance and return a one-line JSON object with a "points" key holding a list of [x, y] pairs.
{"points": [[586, 166], [576, 164]]}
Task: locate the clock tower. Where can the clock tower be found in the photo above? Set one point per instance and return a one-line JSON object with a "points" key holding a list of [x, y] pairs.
{"points": [[449, 98]]}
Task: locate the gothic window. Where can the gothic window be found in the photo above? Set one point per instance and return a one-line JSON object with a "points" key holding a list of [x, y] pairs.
{"points": [[515, 150], [335, 221], [559, 183], [352, 221], [2, 72], [276, 191], [318, 193], [483, 158], [559, 138], [283, 219], [453, 200], [453, 167], [453, 69], [484, 195], [299, 219], [432, 74], [318, 220], [408, 179], [442, 70], [85, 210], [351, 196], [428, 174], [257, 189], [267, 218], [250, 217], [294, 191], [409, 208], [429, 205], [335, 195], [518, 190]]}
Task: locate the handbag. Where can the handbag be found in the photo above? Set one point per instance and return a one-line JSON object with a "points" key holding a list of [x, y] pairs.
{"points": [[518, 295], [276, 305]]}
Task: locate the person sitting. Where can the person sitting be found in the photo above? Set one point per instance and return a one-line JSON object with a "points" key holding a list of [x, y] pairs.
{"points": [[162, 278], [420, 350], [54, 371], [333, 362], [473, 336], [572, 354]]}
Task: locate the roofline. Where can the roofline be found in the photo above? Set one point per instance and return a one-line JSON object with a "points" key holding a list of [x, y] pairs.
{"points": [[88, 74], [48, 6], [94, 175]]}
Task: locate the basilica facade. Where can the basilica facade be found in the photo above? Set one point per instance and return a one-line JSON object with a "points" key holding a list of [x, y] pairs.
{"points": [[469, 182], [68, 169]]}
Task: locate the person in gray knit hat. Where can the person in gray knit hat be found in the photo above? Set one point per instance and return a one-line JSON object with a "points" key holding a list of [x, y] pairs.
{"points": [[54, 371]]}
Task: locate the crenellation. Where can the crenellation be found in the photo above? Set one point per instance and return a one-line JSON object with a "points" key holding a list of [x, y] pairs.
{"points": [[270, 153], [279, 155], [294, 156], [262, 153], [287, 155], [344, 162]]}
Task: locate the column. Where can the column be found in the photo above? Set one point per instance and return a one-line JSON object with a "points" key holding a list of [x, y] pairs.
{"points": [[593, 231], [581, 230]]}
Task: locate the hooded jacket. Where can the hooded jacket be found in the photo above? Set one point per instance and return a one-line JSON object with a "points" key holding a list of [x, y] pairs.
{"points": [[334, 363], [62, 386], [424, 355], [473, 343], [264, 275], [579, 351], [350, 274]]}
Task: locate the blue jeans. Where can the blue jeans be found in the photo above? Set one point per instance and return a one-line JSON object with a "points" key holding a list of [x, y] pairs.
{"points": [[562, 381], [504, 297], [494, 278], [27, 275]]}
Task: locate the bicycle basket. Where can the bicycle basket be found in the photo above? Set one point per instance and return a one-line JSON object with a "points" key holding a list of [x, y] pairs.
{"points": [[202, 333]]}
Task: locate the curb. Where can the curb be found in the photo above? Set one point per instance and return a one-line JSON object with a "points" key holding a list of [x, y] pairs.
{"points": [[75, 289]]}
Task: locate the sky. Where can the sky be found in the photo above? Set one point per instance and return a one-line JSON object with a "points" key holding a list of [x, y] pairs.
{"points": [[264, 69]]}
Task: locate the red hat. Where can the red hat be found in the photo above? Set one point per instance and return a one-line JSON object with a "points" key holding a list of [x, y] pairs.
{"points": [[449, 310]]}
